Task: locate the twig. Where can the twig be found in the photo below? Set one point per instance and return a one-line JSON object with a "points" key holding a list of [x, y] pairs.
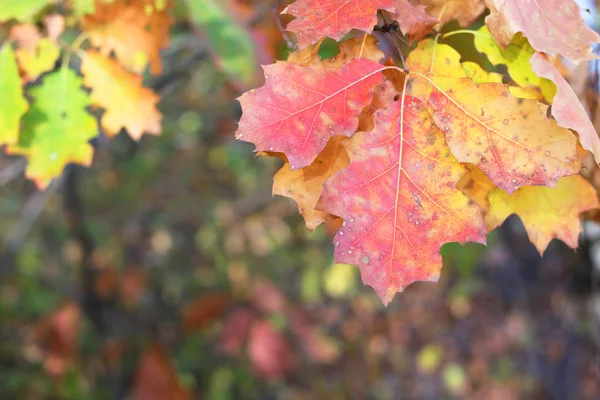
{"points": [[12, 171], [31, 211]]}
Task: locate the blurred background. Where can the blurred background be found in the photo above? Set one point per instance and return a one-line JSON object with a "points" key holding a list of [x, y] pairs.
{"points": [[168, 271]]}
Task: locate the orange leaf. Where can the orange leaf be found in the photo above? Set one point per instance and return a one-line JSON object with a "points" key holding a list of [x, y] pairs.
{"points": [[128, 28], [554, 27], [204, 310], [299, 108], [156, 378], [305, 185], [127, 103], [398, 200]]}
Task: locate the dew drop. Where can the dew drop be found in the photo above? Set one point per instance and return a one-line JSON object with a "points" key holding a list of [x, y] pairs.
{"points": [[547, 153], [341, 232], [349, 251], [365, 259]]}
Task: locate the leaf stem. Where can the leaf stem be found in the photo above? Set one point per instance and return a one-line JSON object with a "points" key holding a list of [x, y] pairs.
{"points": [[460, 31]]}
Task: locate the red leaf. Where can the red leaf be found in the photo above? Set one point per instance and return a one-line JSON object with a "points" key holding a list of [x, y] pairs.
{"points": [[236, 331], [269, 352], [399, 202], [316, 19], [300, 108]]}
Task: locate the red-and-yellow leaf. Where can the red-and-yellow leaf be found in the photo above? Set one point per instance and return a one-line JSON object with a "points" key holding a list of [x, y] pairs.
{"points": [[510, 139], [126, 102], [566, 108], [305, 185], [134, 30], [300, 108], [547, 213], [399, 201], [554, 27], [316, 19]]}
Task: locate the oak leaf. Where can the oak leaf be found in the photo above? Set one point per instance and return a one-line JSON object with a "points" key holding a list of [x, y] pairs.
{"points": [[546, 212], [555, 27], [57, 128], [510, 139], [12, 102], [316, 19], [134, 34], [35, 53], [127, 103], [414, 22], [300, 108], [464, 11], [398, 200], [305, 185], [516, 57], [566, 107]]}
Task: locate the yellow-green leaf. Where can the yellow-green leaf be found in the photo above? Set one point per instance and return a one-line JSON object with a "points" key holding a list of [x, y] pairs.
{"points": [[12, 103]]}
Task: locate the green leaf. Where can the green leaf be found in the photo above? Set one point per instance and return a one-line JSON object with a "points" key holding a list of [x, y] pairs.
{"points": [[12, 103], [230, 43], [516, 58], [22, 10], [57, 128], [83, 7]]}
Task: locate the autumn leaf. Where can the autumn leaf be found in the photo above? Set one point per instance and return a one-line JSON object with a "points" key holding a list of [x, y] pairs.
{"points": [[135, 35], [566, 107], [464, 11], [127, 103], [35, 54], [479, 75], [316, 19], [12, 102], [22, 10], [57, 128], [156, 378], [299, 108], [510, 139], [516, 57], [398, 200], [435, 59], [305, 185], [414, 22], [269, 352], [546, 212], [555, 27]]}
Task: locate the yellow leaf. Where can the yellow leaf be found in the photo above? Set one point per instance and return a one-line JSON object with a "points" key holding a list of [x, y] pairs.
{"points": [[127, 103], [511, 139], [546, 213]]}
